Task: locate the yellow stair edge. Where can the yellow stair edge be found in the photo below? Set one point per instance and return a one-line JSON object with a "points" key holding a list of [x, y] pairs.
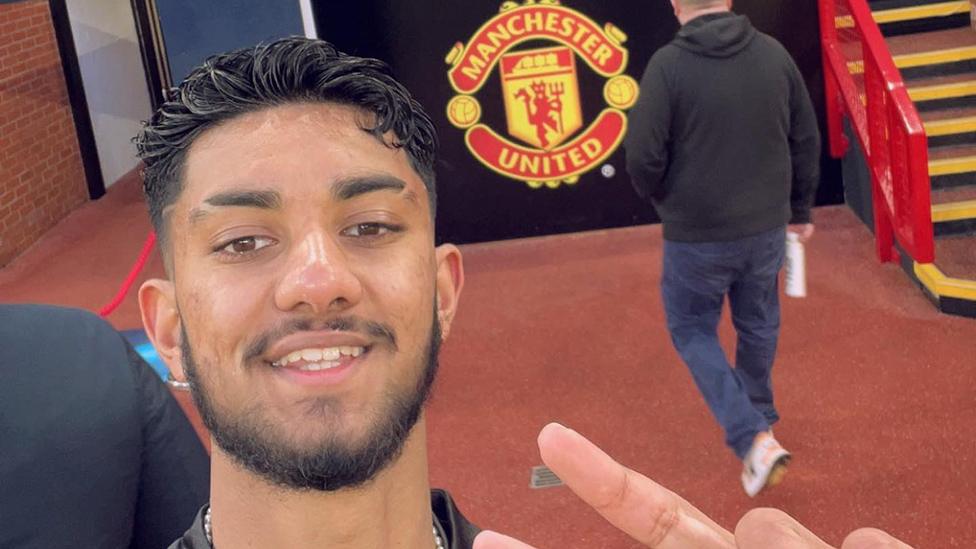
{"points": [[952, 166], [940, 285], [936, 57], [942, 91], [954, 211], [951, 126], [942, 9]]}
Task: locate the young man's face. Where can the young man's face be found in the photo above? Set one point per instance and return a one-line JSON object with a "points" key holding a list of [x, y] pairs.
{"points": [[306, 292]]}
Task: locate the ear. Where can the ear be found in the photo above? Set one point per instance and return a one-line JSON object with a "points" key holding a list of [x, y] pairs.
{"points": [[161, 319], [450, 280]]}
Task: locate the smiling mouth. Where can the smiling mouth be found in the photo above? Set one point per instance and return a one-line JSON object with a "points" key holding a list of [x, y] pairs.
{"points": [[316, 359]]}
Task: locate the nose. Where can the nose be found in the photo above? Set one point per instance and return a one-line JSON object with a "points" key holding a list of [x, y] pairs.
{"points": [[318, 278]]}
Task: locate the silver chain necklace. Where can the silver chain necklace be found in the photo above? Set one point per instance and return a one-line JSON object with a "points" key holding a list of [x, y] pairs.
{"points": [[208, 531]]}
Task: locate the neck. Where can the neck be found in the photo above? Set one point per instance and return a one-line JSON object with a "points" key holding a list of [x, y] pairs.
{"points": [[392, 510], [685, 17]]}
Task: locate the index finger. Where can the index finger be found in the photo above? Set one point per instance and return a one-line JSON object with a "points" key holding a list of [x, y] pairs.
{"points": [[645, 510]]}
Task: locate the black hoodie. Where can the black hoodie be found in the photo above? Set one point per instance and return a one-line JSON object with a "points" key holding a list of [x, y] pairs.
{"points": [[723, 138]]}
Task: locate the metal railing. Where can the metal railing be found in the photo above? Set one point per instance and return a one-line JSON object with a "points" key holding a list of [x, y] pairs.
{"points": [[862, 82]]}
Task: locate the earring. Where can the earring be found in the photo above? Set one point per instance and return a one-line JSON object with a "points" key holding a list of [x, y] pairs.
{"points": [[177, 384]]}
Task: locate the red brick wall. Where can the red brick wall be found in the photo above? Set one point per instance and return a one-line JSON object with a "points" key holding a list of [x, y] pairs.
{"points": [[41, 175]]}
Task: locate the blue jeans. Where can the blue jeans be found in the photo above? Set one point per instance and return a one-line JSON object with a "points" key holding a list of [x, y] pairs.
{"points": [[696, 279]]}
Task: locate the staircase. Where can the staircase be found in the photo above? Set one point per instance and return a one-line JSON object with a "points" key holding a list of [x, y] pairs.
{"points": [[934, 47]]}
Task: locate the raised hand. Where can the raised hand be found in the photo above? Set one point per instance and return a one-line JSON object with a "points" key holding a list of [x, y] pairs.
{"points": [[659, 518]]}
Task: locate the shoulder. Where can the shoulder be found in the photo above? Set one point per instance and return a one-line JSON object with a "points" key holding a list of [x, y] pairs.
{"points": [[65, 349], [665, 55], [51, 333], [772, 47], [661, 66], [33, 322]]}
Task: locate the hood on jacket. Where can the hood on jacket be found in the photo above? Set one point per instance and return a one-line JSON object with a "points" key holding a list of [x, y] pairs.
{"points": [[716, 34]]}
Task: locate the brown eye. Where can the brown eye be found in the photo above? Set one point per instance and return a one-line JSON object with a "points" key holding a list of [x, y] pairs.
{"points": [[246, 245], [370, 230]]}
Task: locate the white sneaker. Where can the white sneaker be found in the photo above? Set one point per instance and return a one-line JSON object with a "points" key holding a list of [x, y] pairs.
{"points": [[764, 465]]}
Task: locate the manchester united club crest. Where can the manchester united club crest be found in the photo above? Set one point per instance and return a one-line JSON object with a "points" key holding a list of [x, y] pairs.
{"points": [[540, 87]]}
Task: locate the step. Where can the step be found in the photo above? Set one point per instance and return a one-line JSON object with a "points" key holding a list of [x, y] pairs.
{"points": [[954, 196], [921, 49], [882, 5], [954, 204], [950, 282], [952, 160], [954, 212], [949, 121], [910, 13], [933, 48], [956, 258], [952, 181], [951, 294], [936, 88]]}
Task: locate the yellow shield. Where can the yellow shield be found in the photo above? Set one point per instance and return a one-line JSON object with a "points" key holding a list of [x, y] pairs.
{"points": [[542, 104]]}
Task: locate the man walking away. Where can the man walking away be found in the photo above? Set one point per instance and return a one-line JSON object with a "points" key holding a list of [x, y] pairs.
{"points": [[724, 142]]}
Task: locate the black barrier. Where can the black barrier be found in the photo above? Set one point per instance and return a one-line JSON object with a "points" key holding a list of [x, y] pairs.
{"points": [[497, 180]]}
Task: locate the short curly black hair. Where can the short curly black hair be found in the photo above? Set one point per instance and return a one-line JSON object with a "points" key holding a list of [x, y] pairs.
{"points": [[289, 70]]}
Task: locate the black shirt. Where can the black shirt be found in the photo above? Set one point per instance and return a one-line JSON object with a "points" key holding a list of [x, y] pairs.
{"points": [[458, 533]]}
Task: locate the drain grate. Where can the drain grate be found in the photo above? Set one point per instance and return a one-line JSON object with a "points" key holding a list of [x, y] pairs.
{"points": [[543, 477]]}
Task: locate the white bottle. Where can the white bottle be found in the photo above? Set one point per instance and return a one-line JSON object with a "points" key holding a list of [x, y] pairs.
{"points": [[796, 266]]}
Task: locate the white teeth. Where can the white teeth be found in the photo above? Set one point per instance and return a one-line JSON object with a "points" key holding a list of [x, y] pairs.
{"points": [[312, 355], [316, 357], [316, 366], [332, 353]]}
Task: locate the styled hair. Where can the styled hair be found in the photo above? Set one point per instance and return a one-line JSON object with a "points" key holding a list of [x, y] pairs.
{"points": [[289, 70]]}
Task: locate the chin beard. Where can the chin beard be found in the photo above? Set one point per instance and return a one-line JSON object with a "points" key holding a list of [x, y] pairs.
{"points": [[327, 465]]}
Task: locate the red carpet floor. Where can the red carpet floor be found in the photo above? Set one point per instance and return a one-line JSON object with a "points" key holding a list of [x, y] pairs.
{"points": [[877, 390]]}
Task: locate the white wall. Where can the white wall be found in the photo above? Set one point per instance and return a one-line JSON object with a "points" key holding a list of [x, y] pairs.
{"points": [[114, 79]]}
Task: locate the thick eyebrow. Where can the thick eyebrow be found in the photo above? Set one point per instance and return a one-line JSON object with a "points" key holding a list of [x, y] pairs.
{"points": [[351, 187], [265, 200]]}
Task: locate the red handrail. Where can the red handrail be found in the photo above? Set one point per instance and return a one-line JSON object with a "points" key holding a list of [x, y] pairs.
{"points": [[147, 247], [862, 82]]}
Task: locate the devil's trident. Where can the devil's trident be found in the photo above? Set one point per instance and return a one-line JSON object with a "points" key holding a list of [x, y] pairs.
{"points": [[556, 89]]}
